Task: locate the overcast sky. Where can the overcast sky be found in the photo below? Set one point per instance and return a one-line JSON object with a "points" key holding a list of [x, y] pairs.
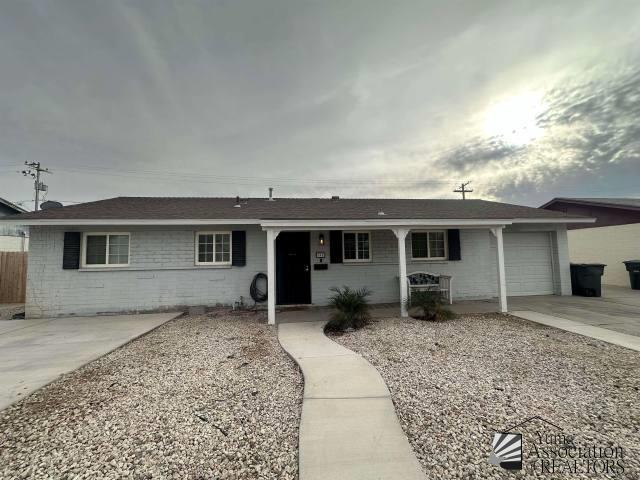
{"points": [[528, 100]]}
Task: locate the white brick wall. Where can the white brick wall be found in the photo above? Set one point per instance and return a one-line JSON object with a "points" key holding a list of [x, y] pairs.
{"points": [[161, 275], [473, 276], [162, 272]]}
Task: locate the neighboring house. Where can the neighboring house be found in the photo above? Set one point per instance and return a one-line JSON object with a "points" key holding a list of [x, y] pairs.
{"points": [[136, 254], [13, 238], [612, 239]]}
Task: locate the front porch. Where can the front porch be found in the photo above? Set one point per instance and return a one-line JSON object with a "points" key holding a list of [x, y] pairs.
{"points": [[388, 254], [618, 310]]}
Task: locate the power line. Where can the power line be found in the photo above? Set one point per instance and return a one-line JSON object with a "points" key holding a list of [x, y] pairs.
{"points": [[244, 179], [206, 178], [163, 176]]}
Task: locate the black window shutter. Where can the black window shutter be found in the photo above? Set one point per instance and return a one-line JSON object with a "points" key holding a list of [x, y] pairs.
{"points": [[238, 248], [453, 238], [335, 245], [71, 251]]}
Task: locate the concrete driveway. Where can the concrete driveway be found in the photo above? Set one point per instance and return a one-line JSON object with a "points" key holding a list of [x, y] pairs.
{"points": [[33, 353], [618, 309]]}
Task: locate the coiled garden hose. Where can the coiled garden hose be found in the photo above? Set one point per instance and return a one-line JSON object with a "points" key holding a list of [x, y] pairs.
{"points": [[256, 293]]}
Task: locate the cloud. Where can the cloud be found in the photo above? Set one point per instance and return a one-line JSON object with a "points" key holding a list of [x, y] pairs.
{"points": [[589, 128], [352, 98]]}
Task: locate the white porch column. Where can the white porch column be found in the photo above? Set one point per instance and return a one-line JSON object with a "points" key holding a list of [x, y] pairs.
{"points": [[401, 234], [502, 282], [271, 275]]}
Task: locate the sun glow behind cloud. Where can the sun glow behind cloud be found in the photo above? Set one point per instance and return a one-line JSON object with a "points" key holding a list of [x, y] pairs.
{"points": [[514, 119]]}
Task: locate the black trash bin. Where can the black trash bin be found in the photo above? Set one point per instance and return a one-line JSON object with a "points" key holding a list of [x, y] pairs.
{"points": [[633, 267], [586, 279]]}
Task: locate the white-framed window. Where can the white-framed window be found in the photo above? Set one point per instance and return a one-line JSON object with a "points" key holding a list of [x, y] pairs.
{"points": [[356, 246], [105, 249], [213, 248], [429, 245]]}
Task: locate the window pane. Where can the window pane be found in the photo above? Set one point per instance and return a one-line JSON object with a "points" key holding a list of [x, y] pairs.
{"points": [[223, 247], [118, 249], [205, 248], [96, 250], [363, 246], [349, 244], [419, 245], [436, 244]]}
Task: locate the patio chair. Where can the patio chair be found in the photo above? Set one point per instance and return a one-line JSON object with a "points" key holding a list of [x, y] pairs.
{"points": [[430, 282]]}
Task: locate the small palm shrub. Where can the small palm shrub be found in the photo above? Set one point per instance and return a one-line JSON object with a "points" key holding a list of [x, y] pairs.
{"points": [[351, 309], [425, 305]]}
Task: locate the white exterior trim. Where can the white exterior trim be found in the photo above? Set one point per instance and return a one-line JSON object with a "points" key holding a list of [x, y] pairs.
{"points": [[197, 248], [430, 259], [83, 251], [502, 277], [356, 260], [377, 224], [132, 222], [554, 220], [271, 276], [401, 234], [307, 224]]}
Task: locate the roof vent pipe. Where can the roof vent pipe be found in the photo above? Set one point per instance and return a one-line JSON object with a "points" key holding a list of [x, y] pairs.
{"points": [[271, 194]]}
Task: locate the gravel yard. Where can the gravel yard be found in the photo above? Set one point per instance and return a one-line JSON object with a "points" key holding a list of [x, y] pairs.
{"points": [[454, 382], [210, 396]]}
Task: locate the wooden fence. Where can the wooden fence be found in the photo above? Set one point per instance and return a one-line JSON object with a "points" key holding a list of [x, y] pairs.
{"points": [[13, 277]]}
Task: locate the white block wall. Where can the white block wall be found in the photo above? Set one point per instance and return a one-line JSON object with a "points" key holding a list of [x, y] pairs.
{"points": [[162, 274], [474, 275]]}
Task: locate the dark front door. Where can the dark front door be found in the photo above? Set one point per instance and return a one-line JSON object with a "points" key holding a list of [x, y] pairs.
{"points": [[293, 268]]}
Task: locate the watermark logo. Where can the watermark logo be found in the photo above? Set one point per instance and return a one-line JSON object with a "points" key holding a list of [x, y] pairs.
{"points": [[507, 451], [550, 451]]}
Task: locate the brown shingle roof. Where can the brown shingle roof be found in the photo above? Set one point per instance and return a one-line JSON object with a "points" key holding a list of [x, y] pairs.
{"points": [[167, 208], [626, 203]]}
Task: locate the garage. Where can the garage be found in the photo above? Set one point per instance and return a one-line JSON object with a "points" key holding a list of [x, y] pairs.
{"points": [[528, 263]]}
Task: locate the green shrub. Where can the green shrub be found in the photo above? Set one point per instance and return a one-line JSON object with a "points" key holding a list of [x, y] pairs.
{"points": [[425, 305], [351, 309]]}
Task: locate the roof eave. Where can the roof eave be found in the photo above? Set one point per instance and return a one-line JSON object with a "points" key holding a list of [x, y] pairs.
{"points": [[286, 223], [589, 203]]}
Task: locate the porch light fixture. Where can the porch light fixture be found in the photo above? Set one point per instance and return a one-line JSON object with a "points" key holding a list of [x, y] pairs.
{"points": [[321, 239]]}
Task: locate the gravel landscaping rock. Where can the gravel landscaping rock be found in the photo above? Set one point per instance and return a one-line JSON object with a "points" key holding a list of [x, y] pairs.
{"points": [[454, 383], [208, 396]]}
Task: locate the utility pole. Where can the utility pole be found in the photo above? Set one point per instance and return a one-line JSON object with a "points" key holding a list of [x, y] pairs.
{"points": [[34, 170], [463, 190]]}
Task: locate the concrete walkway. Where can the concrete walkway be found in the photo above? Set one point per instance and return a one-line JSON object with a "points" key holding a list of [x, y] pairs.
{"points": [[34, 353], [349, 429], [604, 334]]}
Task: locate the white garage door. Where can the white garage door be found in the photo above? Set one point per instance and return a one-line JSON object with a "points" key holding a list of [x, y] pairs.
{"points": [[527, 262]]}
